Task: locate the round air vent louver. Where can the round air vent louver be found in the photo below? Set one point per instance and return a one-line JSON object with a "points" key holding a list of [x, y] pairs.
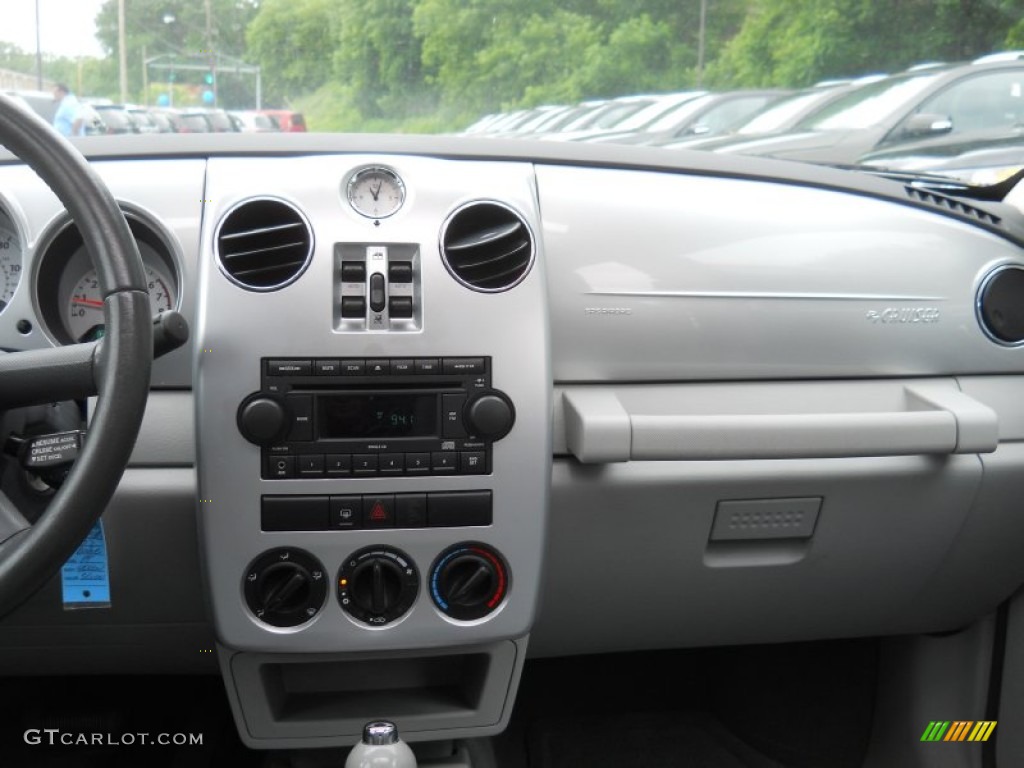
{"points": [[264, 244], [1001, 305], [487, 246]]}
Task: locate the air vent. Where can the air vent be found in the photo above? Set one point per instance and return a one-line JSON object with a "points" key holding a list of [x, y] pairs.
{"points": [[487, 247], [264, 244], [953, 204]]}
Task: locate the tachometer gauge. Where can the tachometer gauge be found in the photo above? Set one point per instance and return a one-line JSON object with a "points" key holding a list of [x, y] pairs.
{"points": [[10, 262], [376, 192], [83, 315]]}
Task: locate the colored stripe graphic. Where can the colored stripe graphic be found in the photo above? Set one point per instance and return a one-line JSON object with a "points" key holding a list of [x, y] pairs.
{"points": [[935, 731], [959, 730]]}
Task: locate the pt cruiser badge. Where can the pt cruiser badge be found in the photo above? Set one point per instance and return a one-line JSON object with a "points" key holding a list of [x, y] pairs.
{"points": [[904, 315]]}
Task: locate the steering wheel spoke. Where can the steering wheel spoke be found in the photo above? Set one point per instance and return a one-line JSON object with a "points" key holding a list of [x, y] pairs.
{"points": [[12, 522], [41, 376]]}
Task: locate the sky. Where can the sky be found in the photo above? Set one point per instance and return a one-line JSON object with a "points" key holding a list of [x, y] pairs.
{"points": [[66, 27]]}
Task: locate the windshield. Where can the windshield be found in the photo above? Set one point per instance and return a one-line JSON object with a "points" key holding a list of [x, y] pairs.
{"points": [[545, 69], [867, 106], [782, 112]]}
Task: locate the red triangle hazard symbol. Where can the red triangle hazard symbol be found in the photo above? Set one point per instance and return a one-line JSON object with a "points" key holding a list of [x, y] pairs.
{"points": [[378, 513]]}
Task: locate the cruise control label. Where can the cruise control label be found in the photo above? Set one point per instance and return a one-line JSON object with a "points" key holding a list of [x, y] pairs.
{"points": [[60, 448]]}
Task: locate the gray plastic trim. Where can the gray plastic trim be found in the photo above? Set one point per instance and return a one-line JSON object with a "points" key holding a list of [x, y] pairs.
{"points": [[933, 418]]}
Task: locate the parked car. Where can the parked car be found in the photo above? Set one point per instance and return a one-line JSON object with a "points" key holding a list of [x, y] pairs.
{"points": [[251, 121], [196, 122], [287, 120], [972, 158], [931, 101], [116, 119], [778, 117], [708, 115]]}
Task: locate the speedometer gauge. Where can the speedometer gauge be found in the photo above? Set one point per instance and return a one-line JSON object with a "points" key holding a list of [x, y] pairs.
{"points": [[10, 262], [83, 315]]}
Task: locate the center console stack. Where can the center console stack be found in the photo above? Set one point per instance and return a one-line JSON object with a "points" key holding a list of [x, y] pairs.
{"points": [[373, 416]]}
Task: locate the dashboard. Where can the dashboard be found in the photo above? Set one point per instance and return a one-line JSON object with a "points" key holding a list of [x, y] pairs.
{"points": [[448, 404]]}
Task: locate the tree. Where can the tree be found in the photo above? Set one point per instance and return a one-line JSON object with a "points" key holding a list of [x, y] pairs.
{"points": [[797, 42], [294, 42], [379, 58]]}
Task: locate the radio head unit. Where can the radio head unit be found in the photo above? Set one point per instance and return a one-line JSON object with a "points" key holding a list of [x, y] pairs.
{"points": [[376, 417]]}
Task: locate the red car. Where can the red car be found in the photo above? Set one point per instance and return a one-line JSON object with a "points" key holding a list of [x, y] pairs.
{"points": [[289, 121]]}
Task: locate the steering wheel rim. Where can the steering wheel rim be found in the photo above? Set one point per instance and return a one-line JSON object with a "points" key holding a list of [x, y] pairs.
{"points": [[117, 369]]}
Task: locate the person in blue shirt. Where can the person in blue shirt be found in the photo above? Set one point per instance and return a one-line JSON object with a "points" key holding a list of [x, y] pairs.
{"points": [[68, 118]]}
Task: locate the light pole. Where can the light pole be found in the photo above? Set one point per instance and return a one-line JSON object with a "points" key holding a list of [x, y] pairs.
{"points": [[123, 57], [39, 54], [700, 41]]}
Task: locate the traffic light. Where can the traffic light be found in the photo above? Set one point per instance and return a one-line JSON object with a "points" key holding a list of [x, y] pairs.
{"points": [[209, 78]]}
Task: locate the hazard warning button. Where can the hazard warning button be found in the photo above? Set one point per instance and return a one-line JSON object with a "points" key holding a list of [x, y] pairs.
{"points": [[379, 511]]}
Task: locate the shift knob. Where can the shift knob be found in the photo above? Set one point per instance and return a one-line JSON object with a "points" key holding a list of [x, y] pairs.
{"points": [[381, 748]]}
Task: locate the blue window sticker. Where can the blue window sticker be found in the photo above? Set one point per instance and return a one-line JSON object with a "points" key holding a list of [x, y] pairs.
{"points": [[85, 577]]}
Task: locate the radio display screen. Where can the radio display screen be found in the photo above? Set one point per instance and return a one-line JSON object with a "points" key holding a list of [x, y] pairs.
{"points": [[370, 416]]}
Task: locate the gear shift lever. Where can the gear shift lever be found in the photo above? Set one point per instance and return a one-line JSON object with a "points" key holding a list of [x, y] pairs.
{"points": [[381, 748]]}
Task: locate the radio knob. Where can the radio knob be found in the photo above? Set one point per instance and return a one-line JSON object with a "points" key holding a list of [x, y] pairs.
{"points": [[490, 416], [262, 420]]}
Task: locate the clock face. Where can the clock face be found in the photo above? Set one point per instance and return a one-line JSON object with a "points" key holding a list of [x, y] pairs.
{"points": [[376, 192]]}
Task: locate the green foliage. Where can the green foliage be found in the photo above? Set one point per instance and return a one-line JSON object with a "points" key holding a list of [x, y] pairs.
{"points": [[797, 42], [294, 41], [379, 56]]}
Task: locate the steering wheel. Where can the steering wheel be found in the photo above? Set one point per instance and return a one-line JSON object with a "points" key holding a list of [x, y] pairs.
{"points": [[116, 368]]}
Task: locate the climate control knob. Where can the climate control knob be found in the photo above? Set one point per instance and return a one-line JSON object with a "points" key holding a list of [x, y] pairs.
{"points": [[490, 416], [262, 420], [468, 581], [285, 587], [377, 585]]}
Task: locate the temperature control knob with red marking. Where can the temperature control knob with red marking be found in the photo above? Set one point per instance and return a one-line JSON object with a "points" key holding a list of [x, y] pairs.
{"points": [[469, 581], [377, 585]]}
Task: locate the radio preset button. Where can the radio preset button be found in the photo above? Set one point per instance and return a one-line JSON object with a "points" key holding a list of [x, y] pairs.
{"points": [[345, 513], [379, 511], [289, 367], [443, 462], [417, 463], [364, 463], [391, 463], [430, 365], [338, 464], [311, 464]]}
